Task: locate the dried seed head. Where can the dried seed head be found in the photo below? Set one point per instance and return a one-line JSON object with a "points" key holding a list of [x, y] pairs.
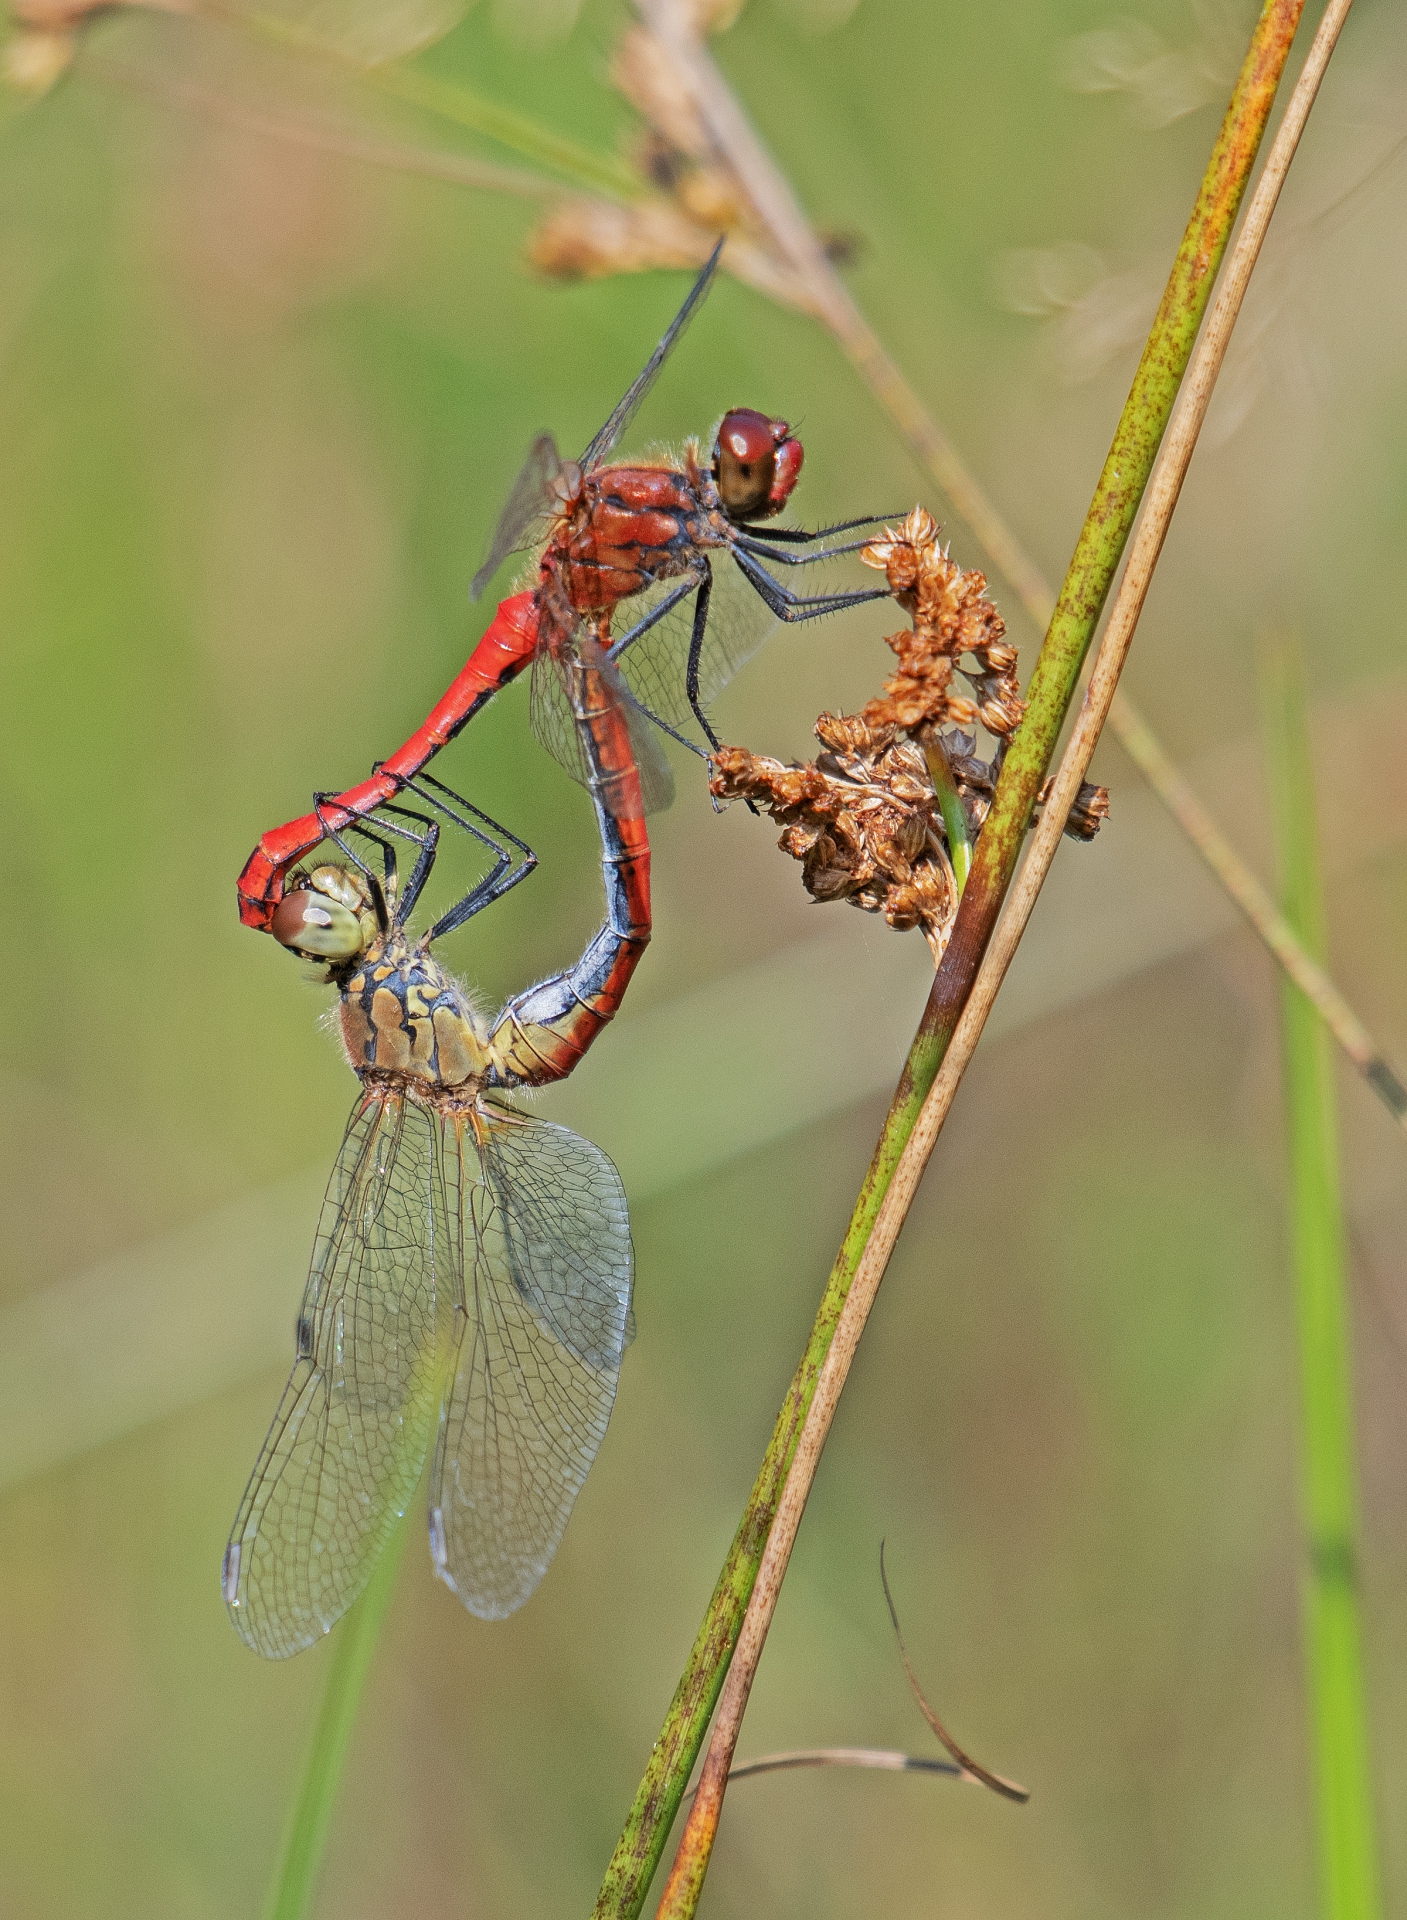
{"points": [[953, 621], [643, 71], [862, 818], [585, 239]]}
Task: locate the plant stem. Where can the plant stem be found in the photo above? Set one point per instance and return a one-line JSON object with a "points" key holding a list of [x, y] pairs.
{"points": [[294, 1883], [1096, 557], [950, 804], [695, 1847], [1303, 969], [1347, 1845]]}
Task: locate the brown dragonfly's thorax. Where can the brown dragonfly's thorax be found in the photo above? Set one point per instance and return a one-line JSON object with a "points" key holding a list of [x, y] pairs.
{"points": [[402, 1014], [630, 527]]}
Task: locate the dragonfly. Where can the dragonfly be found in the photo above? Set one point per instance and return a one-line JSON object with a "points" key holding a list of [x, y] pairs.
{"points": [[608, 535], [471, 1278]]}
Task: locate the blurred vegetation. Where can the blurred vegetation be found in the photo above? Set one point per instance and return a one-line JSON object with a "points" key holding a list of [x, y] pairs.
{"points": [[259, 406]]}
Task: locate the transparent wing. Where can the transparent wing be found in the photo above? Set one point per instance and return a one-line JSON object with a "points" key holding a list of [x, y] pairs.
{"points": [[554, 724], [375, 1340], [530, 503], [548, 1284], [624, 413], [655, 666]]}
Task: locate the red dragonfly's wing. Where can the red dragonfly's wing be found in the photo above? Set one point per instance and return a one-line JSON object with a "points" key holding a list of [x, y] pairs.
{"points": [[645, 379], [530, 502], [555, 723], [374, 1344], [548, 1274]]}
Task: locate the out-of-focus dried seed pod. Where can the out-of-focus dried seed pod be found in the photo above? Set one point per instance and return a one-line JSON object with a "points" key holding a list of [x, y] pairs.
{"points": [[585, 239], [711, 197], [650, 81], [32, 61]]}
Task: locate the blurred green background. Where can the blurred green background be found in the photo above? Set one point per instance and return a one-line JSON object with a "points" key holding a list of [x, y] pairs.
{"points": [[259, 405]]}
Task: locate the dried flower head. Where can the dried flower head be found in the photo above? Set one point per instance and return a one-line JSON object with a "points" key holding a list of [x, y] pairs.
{"points": [[862, 818], [953, 620]]}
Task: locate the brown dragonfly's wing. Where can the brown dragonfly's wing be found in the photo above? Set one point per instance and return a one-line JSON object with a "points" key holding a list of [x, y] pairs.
{"points": [[624, 413], [548, 1272], [530, 502], [555, 724], [374, 1343]]}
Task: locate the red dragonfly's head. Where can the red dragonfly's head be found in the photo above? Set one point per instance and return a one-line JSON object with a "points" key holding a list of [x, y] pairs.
{"points": [[755, 464]]}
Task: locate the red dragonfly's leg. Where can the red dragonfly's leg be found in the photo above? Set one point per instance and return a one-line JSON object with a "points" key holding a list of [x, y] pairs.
{"points": [[541, 1034], [507, 646]]}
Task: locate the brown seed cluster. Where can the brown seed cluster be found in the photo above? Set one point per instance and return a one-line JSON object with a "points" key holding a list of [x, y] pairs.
{"points": [[953, 620], [862, 818]]}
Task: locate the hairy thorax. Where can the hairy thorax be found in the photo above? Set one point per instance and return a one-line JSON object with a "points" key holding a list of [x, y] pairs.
{"points": [[632, 526], [402, 1014]]}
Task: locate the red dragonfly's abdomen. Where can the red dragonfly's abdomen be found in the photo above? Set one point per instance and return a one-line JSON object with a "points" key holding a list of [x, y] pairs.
{"points": [[508, 644]]}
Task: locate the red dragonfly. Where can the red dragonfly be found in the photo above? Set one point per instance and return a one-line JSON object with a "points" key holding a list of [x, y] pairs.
{"points": [[471, 1278], [610, 534]]}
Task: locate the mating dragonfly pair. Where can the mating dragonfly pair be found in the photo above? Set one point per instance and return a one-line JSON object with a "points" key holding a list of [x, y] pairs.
{"points": [[471, 1279]]}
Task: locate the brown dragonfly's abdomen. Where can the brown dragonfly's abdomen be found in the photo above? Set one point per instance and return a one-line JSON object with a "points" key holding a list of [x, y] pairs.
{"points": [[632, 527], [401, 1013]]}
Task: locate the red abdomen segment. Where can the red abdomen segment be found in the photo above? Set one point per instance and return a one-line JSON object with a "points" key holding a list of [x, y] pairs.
{"points": [[507, 646], [541, 1034]]}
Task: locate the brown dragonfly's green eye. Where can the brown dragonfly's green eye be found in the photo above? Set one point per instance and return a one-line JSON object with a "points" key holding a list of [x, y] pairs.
{"points": [[312, 923]]}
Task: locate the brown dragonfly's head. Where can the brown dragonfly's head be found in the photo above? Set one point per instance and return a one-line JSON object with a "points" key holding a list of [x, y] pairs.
{"points": [[329, 914], [756, 463]]}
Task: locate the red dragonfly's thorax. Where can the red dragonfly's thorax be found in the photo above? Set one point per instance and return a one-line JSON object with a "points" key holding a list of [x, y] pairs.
{"points": [[631, 526], [401, 1013]]}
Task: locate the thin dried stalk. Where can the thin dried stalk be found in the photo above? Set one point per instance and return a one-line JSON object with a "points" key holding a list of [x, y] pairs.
{"points": [[779, 212], [877, 1759], [1170, 466]]}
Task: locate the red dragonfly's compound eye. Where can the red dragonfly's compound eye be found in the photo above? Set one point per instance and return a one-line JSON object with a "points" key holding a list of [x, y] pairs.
{"points": [[311, 923], [755, 464]]}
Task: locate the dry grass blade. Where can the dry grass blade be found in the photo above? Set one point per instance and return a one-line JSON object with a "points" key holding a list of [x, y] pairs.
{"points": [[1009, 1789], [874, 1759]]}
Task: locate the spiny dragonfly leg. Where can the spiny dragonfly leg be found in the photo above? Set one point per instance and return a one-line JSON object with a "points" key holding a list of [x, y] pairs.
{"points": [[506, 872], [657, 612], [691, 581], [427, 788], [800, 537], [696, 640], [794, 607], [427, 842], [781, 559]]}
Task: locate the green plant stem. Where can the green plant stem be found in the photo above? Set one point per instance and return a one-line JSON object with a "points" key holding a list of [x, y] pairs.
{"points": [[1347, 1845], [1102, 539], [295, 1879], [950, 804]]}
